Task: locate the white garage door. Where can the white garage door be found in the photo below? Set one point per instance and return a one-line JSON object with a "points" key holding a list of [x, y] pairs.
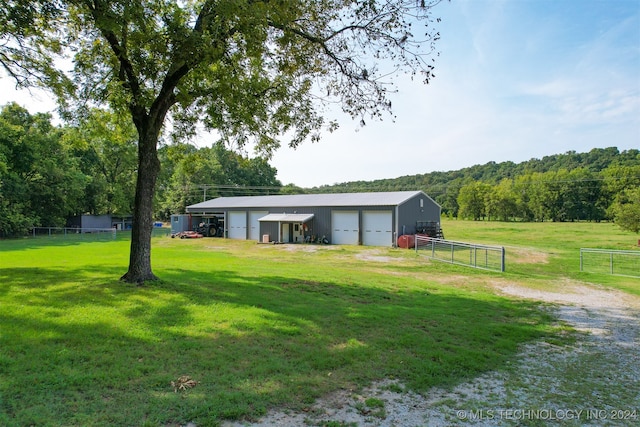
{"points": [[254, 224], [344, 227], [378, 230], [237, 225]]}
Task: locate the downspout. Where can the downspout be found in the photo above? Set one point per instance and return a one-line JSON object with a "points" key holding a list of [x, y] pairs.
{"points": [[395, 231]]}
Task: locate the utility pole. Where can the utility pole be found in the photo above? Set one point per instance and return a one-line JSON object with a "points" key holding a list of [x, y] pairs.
{"points": [[204, 188]]}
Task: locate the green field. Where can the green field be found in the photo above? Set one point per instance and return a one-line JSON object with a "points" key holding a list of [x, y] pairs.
{"points": [[264, 326], [547, 254]]}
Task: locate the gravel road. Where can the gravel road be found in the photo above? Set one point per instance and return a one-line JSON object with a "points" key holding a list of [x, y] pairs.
{"points": [[593, 381]]}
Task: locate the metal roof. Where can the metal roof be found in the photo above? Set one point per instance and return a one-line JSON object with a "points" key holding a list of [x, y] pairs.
{"points": [[391, 198], [283, 217]]}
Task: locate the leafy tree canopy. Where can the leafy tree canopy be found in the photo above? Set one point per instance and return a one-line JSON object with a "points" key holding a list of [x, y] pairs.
{"points": [[193, 175], [251, 70], [40, 181], [626, 210], [106, 145]]}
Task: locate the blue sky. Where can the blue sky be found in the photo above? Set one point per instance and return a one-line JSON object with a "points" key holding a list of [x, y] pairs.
{"points": [[515, 80]]}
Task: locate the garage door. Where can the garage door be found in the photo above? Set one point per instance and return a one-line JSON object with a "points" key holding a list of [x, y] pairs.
{"points": [[377, 226], [344, 227], [254, 224], [237, 225]]}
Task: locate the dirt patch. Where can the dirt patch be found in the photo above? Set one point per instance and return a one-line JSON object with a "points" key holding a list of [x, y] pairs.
{"points": [[451, 279], [376, 256], [592, 381], [527, 256], [573, 293], [300, 247]]}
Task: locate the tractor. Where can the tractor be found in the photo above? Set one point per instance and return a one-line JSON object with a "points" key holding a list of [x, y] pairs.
{"points": [[211, 227]]}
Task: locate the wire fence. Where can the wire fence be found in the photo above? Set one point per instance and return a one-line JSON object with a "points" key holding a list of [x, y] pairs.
{"points": [[75, 233], [467, 254], [606, 261], [88, 234]]}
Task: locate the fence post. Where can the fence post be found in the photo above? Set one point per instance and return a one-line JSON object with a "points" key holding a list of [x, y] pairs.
{"points": [[502, 267], [611, 262], [581, 259]]}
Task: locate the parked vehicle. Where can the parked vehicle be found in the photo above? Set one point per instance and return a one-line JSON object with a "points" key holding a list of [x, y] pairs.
{"points": [[187, 235], [211, 227]]}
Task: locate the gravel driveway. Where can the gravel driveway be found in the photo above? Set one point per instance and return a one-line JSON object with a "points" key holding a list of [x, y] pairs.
{"points": [[594, 381]]}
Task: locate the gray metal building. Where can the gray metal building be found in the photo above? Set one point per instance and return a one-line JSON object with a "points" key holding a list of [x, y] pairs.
{"points": [[120, 222], [371, 219]]}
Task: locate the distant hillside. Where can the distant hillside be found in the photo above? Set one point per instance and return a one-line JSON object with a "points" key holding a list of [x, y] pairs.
{"points": [[444, 187]]}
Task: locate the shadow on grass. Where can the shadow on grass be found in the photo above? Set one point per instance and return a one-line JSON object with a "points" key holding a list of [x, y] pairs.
{"points": [[100, 352], [19, 244], [71, 239]]}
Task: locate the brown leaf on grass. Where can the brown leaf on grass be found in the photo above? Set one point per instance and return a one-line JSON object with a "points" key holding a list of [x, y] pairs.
{"points": [[183, 383]]}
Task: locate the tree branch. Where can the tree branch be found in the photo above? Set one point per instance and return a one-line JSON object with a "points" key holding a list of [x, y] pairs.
{"points": [[313, 39], [99, 11]]}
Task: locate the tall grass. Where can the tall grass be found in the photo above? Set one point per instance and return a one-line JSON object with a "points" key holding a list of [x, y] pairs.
{"points": [[257, 326]]}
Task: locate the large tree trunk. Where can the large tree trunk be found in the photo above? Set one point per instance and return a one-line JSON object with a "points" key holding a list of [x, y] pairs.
{"points": [[148, 170]]}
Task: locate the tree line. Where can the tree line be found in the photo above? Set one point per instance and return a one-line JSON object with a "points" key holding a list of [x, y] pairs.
{"points": [[562, 195], [602, 184], [50, 173]]}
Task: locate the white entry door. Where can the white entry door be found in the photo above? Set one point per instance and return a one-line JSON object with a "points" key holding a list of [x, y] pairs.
{"points": [[285, 232]]}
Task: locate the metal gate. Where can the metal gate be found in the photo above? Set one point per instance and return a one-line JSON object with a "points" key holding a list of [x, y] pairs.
{"points": [[619, 263], [468, 254]]}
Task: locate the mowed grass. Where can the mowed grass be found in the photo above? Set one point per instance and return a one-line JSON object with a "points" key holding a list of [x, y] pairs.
{"points": [[257, 326], [547, 254]]}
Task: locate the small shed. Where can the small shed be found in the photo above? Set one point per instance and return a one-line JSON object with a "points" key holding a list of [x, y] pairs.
{"points": [[371, 219], [89, 222]]}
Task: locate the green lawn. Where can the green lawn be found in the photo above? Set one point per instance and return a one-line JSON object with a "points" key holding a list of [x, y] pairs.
{"points": [[258, 326]]}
